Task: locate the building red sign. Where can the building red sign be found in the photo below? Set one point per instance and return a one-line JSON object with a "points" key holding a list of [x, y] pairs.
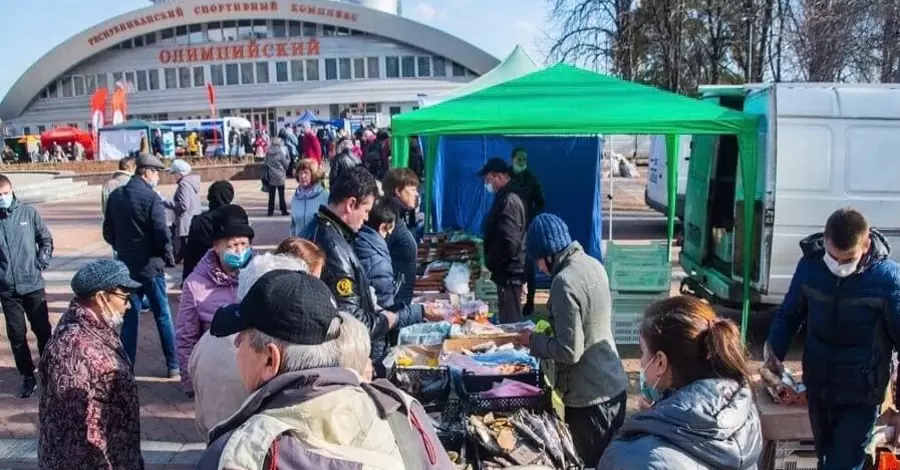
{"points": [[251, 50], [235, 7], [311, 10], [135, 23]]}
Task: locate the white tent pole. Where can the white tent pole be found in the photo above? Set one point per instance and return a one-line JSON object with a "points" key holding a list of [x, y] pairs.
{"points": [[610, 198]]}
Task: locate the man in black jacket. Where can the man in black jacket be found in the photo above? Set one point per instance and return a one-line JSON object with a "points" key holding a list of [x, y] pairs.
{"points": [[135, 226], [25, 251], [333, 230], [504, 239], [527, 186]]}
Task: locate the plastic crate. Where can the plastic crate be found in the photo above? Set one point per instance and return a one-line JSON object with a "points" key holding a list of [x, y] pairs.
{"points": [[639, 267], [794, 455], [628, 309], [437, 395], [476, 403], [481, 383]]}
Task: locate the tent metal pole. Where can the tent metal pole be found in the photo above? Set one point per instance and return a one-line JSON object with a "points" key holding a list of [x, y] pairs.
{"points": [[610, 197]]}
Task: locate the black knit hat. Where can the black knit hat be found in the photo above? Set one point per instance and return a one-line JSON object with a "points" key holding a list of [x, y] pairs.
{"points": [[289, 305], [231, 221], [220, 193]]}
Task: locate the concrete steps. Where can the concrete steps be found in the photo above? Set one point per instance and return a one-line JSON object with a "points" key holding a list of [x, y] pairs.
{"points": [[37, 188]]}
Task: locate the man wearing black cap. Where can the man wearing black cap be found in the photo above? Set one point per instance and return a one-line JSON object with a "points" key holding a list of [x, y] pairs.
{"points": [[135, 226], [305, 410], [504, 239]]}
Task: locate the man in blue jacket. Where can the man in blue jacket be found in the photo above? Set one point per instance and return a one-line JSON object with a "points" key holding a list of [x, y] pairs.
{"points": [[135, 226], [847, 291]]}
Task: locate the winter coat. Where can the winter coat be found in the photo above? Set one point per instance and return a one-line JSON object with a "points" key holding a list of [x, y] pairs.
{"points": [[404, 253], [185, 203], [218, 388], [119, 179], [311, 147], [323, 418], [26, 247], [709, 424], [88, 400], [138, 231], [527, 186], [853, 324], [585, 360], [204, 291], [304, 206], [276, 165], [344, 273], [504, 237], [290, 142], [373, 253], [341, 163]]}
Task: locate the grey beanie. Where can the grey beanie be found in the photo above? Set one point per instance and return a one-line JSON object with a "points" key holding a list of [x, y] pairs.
{"points": [[101, 275]]}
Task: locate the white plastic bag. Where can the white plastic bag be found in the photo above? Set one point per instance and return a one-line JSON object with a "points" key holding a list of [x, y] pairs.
{"points": [[457, 279]]}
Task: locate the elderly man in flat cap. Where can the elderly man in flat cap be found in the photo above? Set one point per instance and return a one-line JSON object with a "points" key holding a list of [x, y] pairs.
{"points": [[89, 412]]}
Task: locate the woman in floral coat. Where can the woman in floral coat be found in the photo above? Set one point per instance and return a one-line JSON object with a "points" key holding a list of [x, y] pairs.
{"points": [[89, 411]]}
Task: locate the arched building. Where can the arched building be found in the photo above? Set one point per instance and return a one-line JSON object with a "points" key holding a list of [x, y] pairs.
{"points": [[267, 60]]}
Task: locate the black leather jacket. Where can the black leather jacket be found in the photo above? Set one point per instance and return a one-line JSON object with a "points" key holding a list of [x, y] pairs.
{"points": [[341, 163], [345, 275]]}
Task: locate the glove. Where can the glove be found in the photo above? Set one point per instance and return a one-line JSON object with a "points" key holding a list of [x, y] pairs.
{"points": [[170, 260]]}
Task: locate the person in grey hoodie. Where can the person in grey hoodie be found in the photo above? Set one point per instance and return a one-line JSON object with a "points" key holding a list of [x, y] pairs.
{"points": [[185, 202], [588, 372], [698, 410]]}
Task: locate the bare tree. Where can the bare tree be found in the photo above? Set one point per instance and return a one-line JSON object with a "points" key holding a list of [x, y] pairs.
{"points": [[823, 36]]}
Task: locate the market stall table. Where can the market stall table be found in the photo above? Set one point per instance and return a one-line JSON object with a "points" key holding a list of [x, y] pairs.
{"points": [[787, 434]]}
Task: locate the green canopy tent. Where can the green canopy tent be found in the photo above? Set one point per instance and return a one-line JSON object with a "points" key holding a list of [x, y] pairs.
{"points": [[119, 140], [586, 103]]}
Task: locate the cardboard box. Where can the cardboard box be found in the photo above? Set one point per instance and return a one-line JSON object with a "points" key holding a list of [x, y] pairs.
{"points": [[469, 342]]}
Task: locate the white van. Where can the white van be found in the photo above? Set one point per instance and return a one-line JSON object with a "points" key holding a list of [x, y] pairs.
{"points": [[656, 195], [823, 147]]}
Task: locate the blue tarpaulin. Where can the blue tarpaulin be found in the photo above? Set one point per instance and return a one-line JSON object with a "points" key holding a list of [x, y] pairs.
{"points": [[568, 168]]}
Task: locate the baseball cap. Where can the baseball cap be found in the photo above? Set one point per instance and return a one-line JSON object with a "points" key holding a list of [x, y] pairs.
{"points": [[289, 305], [494, 165]]}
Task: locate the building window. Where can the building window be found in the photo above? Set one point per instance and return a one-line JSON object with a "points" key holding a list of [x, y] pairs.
{"points": [[262, 72], [328, 30], [359, 68], [424, 66], [78, 84], [408, 67], [167, 36], [184, 77], [51, 90], [309, 29], [312, 70], [199, 76], [372, 108], [117, 78], [125, 44], [66, 84], [42, 129], [171, 78], [343, 31], [139, 41], [440, 66], [195, 34], [394, 110], [458, 70], [216, 74], [26, 130], [296, 70], [330, 69], [260, 29], [142, 80], [392, 67], [90, 83], [232, 74], [281, 72], [373, 67], [247, 74], [229, 31], [181, 35], [129, 80], [279, 29], [295, 29], [153, 78], [245, 30], [150, 39], [214, 31], [344, 69]]}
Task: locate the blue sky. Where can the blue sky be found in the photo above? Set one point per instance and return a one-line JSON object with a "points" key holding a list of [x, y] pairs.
{"points": [[494, 25]]}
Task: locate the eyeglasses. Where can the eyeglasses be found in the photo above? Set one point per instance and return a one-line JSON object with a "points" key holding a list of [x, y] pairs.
{"points": [[120, 295]]}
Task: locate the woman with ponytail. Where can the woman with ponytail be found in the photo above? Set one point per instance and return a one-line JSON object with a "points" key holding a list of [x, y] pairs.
{"points": [[698, 408]]}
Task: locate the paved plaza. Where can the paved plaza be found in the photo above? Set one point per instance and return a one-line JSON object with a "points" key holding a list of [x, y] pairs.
{"points": [[170, 439]]}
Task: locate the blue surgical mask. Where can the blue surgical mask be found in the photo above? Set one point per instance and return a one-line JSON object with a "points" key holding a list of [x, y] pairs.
{"points": [[236, 260], [488, 188], [5, 201], [649, 391]]}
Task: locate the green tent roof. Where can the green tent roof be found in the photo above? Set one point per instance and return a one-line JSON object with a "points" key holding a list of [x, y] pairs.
{"points": [[566, 100], [515, 65], [138, 124]]}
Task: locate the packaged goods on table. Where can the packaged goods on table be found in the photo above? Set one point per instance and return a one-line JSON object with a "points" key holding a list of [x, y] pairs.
{"points": [[438, 252], [780, 382], [522, 438]]}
